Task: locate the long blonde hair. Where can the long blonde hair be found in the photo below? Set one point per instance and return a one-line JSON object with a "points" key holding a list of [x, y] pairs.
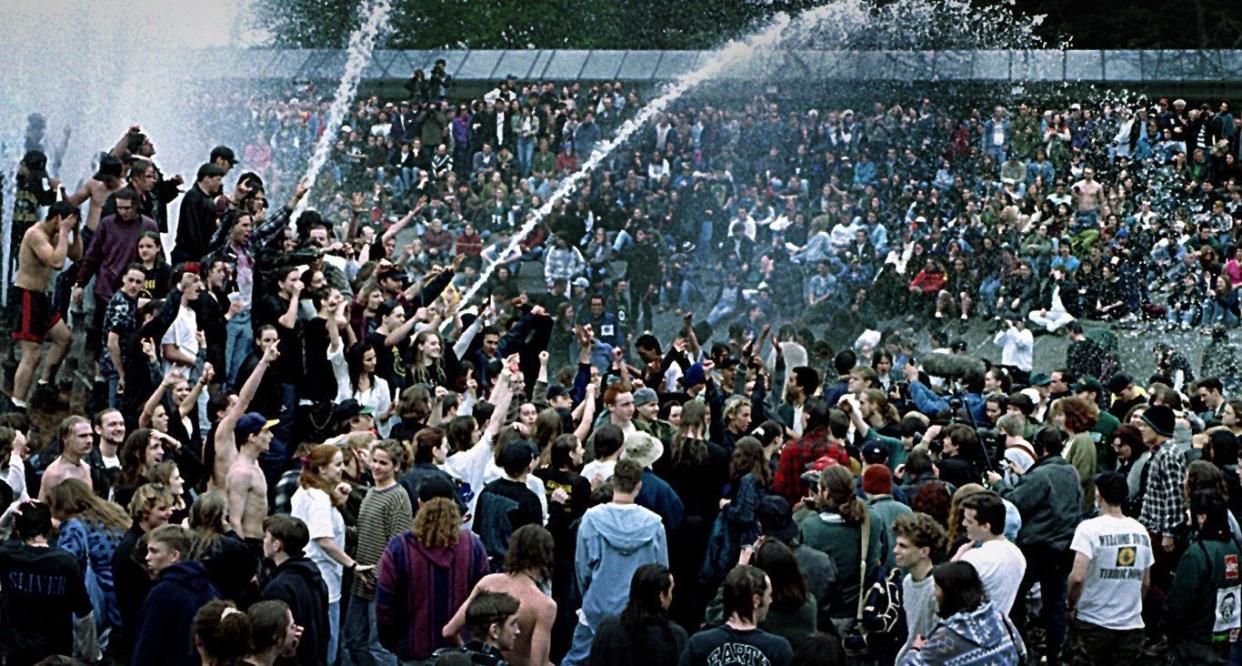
{"points": [[72, 498]]}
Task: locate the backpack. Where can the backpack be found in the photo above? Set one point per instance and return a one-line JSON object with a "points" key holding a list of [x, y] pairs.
{"points": [[881, 631]]}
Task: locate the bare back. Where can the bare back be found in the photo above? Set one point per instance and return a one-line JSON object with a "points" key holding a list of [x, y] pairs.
{"points": [[532, 602]]}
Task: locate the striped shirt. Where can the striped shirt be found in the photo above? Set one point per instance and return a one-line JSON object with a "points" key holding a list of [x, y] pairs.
{"points": [[384, 514]]}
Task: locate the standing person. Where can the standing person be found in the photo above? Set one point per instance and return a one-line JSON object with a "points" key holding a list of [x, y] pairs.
{"points": [[426, 573], [1112, 569], [113, 248], [643, 631], [197, 222], [245, 484], [1049, 498], [90, 530], [837, 529], [75, 446], [1201, 610], [614, 539], [999, 563], [973, 630], [296, 582], [150, 507], [32, 319], [1163, 506], [320, 492], [384, 514], [43, 591], [918, 540], [181, 588], [120, 320], [747, 596], [527, 566]]}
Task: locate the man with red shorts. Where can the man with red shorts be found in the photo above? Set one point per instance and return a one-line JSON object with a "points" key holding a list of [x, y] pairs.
{"points": [[32, 318]]}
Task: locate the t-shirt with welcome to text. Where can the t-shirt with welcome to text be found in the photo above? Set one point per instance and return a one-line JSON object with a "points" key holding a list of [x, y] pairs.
{"points": [[1120, 553]]}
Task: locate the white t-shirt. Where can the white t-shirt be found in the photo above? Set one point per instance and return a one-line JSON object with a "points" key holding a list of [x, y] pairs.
{"points": [[314, 507], [1000, 566], [1120, 553], [184, 334], [601, 468]]}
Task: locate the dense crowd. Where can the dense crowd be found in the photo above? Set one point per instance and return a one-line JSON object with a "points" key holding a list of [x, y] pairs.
{"points": [[707, 412]]}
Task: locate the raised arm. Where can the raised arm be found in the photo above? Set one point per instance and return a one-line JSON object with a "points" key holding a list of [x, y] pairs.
{"points": [[148, 409], [588, 414]]}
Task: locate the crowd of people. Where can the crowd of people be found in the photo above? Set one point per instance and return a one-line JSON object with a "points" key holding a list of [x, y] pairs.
{"points": [[301, 445]]}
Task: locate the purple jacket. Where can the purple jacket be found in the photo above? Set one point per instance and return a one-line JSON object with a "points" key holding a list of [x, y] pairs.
{"points": [[419, 590], [114, 246]]}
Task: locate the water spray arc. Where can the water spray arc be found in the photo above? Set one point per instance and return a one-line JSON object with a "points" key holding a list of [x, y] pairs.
{"points": [[375, 15], [730, 55]]}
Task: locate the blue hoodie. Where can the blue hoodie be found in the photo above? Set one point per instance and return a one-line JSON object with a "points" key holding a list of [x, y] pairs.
{"points": [[162, 636], [613, 541]]}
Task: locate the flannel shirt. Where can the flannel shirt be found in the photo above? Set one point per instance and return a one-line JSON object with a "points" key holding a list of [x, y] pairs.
{"points": [[563, 264], [1163, 506], [795, 458]]}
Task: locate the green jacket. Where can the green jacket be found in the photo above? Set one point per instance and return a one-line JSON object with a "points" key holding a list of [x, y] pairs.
{"points": [[1190, 607], [1082, 457], [828, 532]]}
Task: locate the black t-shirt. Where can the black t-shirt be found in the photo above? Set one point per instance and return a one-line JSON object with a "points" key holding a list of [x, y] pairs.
{"points": [[726, 646], [268, 311], [40, 588], [528, 512], [563, 517]]}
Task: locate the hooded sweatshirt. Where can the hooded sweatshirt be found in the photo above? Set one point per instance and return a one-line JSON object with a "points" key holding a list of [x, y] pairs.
{"points": [[613, 541], [419, 589], [971, 638], [168, 615], [298, 583]]}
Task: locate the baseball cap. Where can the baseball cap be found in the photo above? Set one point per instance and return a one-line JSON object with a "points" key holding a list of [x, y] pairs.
{"points": [[645, 395], [1040, 379], [252, 423], [1087, 383], [225, 153], [874, 453], [1119, 382]]}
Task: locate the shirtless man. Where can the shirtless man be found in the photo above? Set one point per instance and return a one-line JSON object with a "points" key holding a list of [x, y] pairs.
{"points": [[529, 561], [226, 437], [98, 188], [1087, 193], [247, 487], [32, 318], [75, 446]]}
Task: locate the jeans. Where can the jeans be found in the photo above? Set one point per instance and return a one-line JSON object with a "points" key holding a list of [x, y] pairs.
{"points": [[240, 337], [525, 153], [580, 649], [114, 400], [1050, 568], [1184, 317], [334, 630], [622, 241], [361, 639], [1215, 313]]}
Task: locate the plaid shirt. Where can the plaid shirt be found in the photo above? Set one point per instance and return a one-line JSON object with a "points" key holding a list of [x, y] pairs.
{"points": [[563, 263], [1163, 506], [797, 455]]}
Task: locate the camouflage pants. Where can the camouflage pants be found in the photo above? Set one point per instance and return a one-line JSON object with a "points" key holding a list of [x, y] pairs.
{"points": [[1091, 644]]}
